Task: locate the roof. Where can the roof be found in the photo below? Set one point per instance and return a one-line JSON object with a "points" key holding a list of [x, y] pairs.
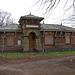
{"points": [[43, 27], [52, 27], [31, 17], [14, 27]]}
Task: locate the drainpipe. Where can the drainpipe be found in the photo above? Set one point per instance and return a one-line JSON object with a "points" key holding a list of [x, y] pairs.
{"points": [[43, 42], [43, 33], [3, 42]]}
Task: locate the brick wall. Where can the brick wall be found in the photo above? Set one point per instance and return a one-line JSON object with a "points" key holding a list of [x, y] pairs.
{"points": [[8, 41], [58, 41]]}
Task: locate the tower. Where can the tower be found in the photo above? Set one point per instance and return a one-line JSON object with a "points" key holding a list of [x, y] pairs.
{"points": [[31, 32]]}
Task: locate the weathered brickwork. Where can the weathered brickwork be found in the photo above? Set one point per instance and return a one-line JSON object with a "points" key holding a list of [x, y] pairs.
{"points": [[41, 41], [26, 44], [14, 46], [30, 35], [58, 41], [26, 33]]}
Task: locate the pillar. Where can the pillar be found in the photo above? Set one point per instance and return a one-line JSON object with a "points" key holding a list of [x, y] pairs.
{"points": [[26, 44], [38, 43]]}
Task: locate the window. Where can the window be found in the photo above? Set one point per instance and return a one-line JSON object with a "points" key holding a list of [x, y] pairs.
{"points": [[10, 41], [19, 42], [48, 38], [67, 38]]}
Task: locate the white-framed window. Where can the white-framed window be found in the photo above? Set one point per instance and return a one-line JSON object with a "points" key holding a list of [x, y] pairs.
{"points": [[18, 42]]}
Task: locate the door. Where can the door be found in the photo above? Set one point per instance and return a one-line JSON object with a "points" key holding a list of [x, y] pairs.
{"points": [[32, 41]]}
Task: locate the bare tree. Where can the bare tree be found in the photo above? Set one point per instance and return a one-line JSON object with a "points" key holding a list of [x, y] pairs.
{"points": [[71, 18], [50, 4], [5, 18]]}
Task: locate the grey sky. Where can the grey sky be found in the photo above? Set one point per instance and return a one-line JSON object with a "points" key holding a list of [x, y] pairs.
{"points": [[22, 7]]}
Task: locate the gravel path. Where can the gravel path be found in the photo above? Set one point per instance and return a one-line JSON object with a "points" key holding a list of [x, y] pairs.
{"points": [[63, 66]]}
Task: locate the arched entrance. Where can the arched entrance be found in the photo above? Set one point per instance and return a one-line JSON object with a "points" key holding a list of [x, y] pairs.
{"points": [[32, 41]]}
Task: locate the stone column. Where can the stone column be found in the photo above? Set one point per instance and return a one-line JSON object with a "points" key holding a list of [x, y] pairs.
{"points": [[38, 43], [26, 44]]}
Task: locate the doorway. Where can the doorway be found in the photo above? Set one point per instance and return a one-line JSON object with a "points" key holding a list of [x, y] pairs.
{"points": [[32, 41]]}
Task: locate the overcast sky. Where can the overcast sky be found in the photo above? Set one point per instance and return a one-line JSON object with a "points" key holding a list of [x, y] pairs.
{"points": [[17, 7], [23, 7]]}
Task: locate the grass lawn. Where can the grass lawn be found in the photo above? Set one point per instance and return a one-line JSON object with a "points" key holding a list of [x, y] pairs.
{"points": [[15, 55], [51, 54], [61, 53]]}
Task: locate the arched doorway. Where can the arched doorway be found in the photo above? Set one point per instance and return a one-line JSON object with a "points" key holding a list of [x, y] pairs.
{"points": [[32, 41]]}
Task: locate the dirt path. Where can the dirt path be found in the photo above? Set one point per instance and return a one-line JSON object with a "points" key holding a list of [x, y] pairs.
{"points": [[63, 66]]}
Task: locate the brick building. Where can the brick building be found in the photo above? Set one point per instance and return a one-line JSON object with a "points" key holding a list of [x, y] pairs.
{"points": [[30, 35]]}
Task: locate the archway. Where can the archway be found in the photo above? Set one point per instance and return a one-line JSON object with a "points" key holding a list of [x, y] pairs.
{"points": [[32, 41]]}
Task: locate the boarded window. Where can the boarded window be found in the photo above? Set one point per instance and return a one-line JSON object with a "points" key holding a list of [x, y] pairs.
{"points": [[67, 38], [10, 41], [19, 42], [48, 38]]}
